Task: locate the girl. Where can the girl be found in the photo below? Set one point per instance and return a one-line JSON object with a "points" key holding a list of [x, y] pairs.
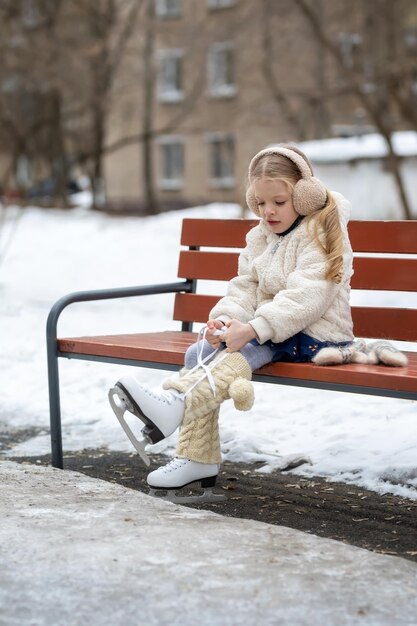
{"points": [[289, 300]]}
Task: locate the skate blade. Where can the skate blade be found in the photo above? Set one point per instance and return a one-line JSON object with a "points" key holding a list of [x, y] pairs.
{"points": [[171, 496], [119, 411]]}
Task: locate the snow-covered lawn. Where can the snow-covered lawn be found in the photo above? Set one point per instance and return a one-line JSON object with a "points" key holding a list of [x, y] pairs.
{"points": [[365, 440]]}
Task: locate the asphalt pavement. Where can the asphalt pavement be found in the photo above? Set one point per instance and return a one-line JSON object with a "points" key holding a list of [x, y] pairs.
{"points": [[78, 551]]}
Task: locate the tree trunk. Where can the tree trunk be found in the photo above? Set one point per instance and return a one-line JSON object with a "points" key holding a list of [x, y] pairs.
{"points": [[151, 203], [97, 184], [59, 165], [280, 95], [394, 166]]}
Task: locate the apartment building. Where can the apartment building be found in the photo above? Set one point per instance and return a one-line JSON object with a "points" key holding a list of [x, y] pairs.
{"points": [[224, 78]]}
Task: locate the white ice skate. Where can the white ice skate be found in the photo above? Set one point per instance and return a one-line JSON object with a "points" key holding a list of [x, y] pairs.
{"points": [[160, 412], [179, 473]]}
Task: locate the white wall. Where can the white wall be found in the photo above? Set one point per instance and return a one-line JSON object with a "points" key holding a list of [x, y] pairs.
{"points": [[369, 187]]}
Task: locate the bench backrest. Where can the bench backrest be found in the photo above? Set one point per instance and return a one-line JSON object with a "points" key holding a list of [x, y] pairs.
{"points": [[388, 269]]}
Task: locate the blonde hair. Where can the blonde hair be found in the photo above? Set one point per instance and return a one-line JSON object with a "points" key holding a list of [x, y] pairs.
{"points": [[323, 224]]}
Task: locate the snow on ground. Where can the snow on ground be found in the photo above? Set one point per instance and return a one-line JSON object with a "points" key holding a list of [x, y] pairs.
{"points": [[365, 440]]}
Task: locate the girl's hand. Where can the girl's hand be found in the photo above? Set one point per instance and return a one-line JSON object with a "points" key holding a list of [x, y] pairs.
{"points": [[237, 335], [214, 340]]}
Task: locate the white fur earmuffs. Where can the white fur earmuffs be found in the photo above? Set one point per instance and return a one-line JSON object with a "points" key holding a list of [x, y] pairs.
{"points": [[309, 193]]}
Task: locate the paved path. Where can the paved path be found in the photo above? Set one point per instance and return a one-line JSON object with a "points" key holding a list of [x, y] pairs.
{"points": [[78, 551]]}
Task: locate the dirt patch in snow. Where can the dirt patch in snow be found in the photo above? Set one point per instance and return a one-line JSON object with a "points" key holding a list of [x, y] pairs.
{"points": [[385, 524]]}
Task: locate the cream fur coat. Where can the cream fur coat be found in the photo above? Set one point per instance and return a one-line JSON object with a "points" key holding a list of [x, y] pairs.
{"points": [[280, 288]]}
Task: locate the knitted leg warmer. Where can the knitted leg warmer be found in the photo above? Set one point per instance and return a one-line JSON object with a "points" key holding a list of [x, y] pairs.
{"points": [[199, 439], [199, 436], [231, 373]]}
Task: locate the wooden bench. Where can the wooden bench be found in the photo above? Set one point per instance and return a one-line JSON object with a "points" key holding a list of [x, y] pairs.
{"points": [[388, 268]]}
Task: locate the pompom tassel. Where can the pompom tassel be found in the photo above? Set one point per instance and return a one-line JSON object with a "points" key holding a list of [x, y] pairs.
{"points": [[242, 394]]}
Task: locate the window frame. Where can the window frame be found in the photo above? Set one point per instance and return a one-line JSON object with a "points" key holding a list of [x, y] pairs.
{"points": [[217, 89], [224, 181], [166, 11], [214, 5], [170, 183], [165, 93]]}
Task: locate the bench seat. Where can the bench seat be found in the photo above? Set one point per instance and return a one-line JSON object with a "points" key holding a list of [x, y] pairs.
{"points": [[165, 350]]}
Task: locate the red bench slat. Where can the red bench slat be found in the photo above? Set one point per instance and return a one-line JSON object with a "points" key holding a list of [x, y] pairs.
{"points": [[370, 273], [207, 265], [384, 274], [216, 233], [170, 346], [385, 323], [396, 237], [166, 346], [372, 322], [193, 307], [366, 236]]}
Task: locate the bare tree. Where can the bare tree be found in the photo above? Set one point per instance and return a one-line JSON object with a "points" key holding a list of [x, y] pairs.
{"points": [[109, 25], [33, 94], [272, 67], [54, 104], [374, 97]]}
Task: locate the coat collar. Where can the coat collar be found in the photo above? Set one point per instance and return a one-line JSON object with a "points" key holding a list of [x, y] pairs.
{"points": [[272, 237]]}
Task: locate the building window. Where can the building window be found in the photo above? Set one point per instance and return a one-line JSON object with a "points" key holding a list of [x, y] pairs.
{"points": [[350, 46], [410, 37], [222, 156], [31, 13], [221, 70], [170, 79], [220, 4], [168, 9], [171, 173]]}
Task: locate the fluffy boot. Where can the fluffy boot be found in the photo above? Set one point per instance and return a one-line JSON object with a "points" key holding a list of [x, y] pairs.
{"points": [[355, 352], [361, 352], [384, 352]]}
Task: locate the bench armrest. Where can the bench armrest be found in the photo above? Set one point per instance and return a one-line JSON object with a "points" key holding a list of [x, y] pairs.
{"points": [[52, 350], [108, 294]]}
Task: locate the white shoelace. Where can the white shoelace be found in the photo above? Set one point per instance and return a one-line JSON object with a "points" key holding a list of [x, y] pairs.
{"points": [[165, 396], [174, 465], [202, 362]]}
